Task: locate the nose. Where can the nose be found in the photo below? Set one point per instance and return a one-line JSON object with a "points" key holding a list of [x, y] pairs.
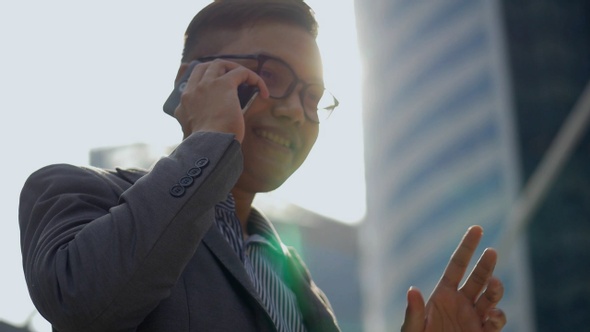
{"points": [[290, 108]]}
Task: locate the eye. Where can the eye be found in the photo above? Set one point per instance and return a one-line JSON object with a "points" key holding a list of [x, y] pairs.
{"points": [[267, 75], [277, 76]]}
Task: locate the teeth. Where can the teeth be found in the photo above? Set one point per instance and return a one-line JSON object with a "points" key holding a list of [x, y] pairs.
{"points": [[275, 138]]}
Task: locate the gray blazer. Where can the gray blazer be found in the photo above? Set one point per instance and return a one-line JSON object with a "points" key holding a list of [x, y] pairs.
{"points": [[132, 250]]}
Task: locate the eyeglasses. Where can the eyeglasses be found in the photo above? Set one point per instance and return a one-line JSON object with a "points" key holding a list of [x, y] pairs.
{"points": [[280, 79]]}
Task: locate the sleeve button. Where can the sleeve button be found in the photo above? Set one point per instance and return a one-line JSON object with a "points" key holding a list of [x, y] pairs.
{"points": [[202, 162], [194, 172], [177, 190], [186, 181]]}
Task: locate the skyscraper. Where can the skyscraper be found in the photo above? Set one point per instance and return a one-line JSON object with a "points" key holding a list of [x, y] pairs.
{"points": [[439, 146], [549, 52]]}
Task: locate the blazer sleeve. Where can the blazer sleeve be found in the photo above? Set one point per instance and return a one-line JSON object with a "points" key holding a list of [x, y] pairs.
{"points": [[100, 254]]}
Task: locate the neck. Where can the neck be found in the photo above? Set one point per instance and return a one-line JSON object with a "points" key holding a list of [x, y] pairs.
{"points": [[243, 206]]}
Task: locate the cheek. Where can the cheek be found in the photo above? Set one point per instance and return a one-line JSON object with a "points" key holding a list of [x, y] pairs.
{"points": [[312, 134], [310, 137]]}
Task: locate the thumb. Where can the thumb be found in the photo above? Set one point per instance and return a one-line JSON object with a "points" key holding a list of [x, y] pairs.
{"points": [[415, 312]]}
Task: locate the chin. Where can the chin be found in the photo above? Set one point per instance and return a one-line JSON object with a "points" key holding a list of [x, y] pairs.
{"points": [[270, 185], [260, 184]]}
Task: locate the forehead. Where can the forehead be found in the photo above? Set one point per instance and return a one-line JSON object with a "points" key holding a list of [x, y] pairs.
{"points": [[289, 42]]}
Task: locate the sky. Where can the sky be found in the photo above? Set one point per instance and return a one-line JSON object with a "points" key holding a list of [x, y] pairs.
{"points": [[69, 68]]}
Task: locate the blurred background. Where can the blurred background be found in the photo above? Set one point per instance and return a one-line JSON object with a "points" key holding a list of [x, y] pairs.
{"points": [[464, 102], [453, 113]]}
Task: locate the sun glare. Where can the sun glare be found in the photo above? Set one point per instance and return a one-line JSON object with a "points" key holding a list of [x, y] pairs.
{"points": [[331, 181]]}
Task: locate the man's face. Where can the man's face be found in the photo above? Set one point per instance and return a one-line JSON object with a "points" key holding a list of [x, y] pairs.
{"points": [[278, 136]]}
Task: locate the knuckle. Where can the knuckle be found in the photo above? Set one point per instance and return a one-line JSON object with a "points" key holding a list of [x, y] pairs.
{"points": [[459, 262], [494, 294], [479, 277]]}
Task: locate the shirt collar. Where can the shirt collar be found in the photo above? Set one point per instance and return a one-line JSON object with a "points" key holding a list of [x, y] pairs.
{"points": [[229, 205], [258, 224], [260, 228]]}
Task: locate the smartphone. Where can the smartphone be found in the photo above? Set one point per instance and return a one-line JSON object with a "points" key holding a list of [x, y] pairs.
{"points": [[246, 93]]}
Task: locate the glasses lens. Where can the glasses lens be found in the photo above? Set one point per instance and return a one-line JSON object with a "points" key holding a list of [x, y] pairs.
{"points": [[280, 80], [277, 76], [251, 64]]}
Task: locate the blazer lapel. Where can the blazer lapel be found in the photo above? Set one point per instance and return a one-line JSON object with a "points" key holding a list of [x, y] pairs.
{"points": [[228, 258], [315, 307]]}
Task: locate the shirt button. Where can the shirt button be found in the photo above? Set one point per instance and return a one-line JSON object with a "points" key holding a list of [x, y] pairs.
{"points": [[177, 190], [194, 172], [202, 162], [186, 181]]}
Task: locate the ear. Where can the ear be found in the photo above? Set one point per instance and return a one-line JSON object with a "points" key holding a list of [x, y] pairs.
{"points": [[183, 67]]}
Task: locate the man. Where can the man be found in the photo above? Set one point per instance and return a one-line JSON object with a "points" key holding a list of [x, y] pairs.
{"points": [[179, 248]]}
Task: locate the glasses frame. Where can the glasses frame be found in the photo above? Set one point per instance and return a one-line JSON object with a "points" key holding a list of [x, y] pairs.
{"points": [[261, 59]]}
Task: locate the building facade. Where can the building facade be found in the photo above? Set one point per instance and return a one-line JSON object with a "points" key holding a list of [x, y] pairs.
{"points": [[463, 101], [440, 150]]}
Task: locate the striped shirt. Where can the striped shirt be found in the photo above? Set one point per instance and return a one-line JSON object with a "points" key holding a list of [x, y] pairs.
{"points": [[263, 257]]}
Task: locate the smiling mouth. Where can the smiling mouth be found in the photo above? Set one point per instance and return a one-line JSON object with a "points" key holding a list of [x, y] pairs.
{"points": [[274, 138]]}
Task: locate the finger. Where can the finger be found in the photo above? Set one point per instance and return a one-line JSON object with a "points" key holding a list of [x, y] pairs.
{"points": [[236, 73], [490, 298], [495, 322], [461, 257], [195, 77], [218, 67], [479, 277], [414, 318], [249, 77], [196, 74]]}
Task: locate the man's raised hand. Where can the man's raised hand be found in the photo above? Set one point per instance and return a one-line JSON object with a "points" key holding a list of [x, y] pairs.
{"points": [[471, 307]]}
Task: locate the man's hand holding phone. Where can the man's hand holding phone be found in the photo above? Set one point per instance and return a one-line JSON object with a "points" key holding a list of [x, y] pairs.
{"points": [[209, 99]]}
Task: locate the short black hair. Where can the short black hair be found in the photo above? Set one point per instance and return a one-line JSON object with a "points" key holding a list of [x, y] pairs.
{"points": [[237, 14]]}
